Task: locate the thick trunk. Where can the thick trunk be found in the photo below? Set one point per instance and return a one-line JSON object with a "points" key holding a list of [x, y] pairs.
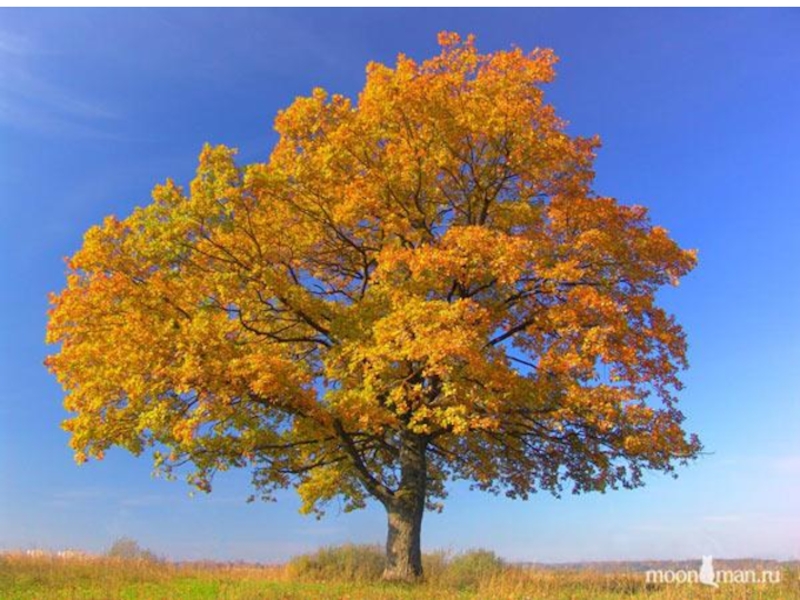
{"points": [[403, 550], [405, 510]]}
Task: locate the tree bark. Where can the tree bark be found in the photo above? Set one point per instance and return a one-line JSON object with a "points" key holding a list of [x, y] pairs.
{"points": [[403, 550], [405, 510]]}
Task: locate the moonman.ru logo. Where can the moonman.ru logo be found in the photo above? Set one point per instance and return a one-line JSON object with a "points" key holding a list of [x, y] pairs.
{"points": [[708, 575]]}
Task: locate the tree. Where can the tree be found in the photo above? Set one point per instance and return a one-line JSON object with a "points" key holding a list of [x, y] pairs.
{"points": [[416, 287], [127, 548]]}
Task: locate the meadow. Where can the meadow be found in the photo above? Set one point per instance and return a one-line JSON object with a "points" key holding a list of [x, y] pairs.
{"points": [[351, 573]]}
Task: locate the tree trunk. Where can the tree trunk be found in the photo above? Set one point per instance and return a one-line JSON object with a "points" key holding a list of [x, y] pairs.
{"points": [[403, 550], [405, 510]]}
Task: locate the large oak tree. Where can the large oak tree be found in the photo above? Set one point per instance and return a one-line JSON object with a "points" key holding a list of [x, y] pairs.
{"points": [[418, 286]]}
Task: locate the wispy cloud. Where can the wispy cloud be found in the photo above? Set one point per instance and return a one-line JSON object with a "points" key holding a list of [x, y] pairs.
{"points": [[788, 464], [723, 518], [81, 497], [69, 498], [29, 100], [146, 500], [13, 43]]}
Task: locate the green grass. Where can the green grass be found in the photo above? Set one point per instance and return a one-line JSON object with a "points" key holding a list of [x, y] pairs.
{"points": [[477, 575]]}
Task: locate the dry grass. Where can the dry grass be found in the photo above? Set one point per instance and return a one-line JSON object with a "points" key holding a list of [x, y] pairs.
{"points": [[46, 578]]}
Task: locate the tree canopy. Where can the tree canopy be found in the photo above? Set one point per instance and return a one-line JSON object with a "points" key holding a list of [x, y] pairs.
{"points": [[418, 285]]}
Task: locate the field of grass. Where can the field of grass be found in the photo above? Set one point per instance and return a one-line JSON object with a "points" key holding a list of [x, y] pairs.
{"points": [[351, 574]]}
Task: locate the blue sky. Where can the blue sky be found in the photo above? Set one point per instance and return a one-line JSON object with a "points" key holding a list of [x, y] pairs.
{"points": [[698, 112]]}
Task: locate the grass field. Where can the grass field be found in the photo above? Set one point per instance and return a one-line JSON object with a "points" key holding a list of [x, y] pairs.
{"points": [[351, 577]]}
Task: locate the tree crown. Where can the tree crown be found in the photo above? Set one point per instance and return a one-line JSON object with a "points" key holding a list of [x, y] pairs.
{"points": [[427, 262]]}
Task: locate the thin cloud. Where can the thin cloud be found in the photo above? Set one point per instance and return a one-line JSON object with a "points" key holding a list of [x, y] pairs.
{"points": [[789, 464], [30, 101], [12, 43], [723, 518], [70, 498]]}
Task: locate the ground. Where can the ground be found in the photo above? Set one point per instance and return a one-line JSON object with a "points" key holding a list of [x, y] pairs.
{"points": [[51, 578]]}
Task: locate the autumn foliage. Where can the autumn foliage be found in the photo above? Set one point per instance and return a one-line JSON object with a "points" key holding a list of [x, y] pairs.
{"points": [[419, 285]]}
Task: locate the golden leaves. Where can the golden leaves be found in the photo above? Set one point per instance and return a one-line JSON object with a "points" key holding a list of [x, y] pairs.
{"points": [[425, 259]]}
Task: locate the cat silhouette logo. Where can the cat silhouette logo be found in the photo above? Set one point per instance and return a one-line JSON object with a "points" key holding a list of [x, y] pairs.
{"points": [[706, 575]]}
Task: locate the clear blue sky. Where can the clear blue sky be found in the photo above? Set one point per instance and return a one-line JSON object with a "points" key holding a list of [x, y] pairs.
{"points": [[699, 112]]}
